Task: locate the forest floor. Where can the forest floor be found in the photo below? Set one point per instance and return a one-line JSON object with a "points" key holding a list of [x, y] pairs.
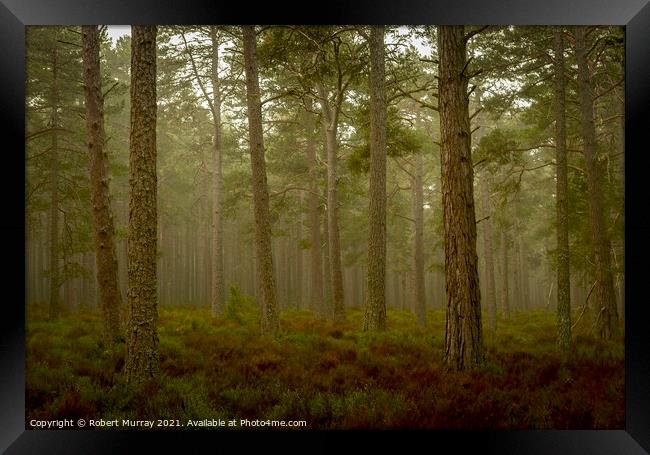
{"points": [[331, 376]]}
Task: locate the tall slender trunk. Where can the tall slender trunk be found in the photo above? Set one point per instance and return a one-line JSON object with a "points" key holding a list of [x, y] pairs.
{"points": [[516, 266], [484, 183], [463, 336], [327, 271], [316, 297], [330, 126], [299, 253], [55, 247], [562, 202], [217, 282], [142, 360], [605, 298], [504, 276], [270, 317], [375, 305], [106, 256], [419, 298], [489, 260], [525, 285]]}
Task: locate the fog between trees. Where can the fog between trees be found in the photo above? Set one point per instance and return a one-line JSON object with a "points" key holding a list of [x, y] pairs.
{"points": [[478, 170]]}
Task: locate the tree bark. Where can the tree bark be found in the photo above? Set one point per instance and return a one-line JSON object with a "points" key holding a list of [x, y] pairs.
{"points": [[605, 298], [270, 317], [55, 247], [562, 204], [142, 362], [375, 304], [106, 256], [463, 336]]}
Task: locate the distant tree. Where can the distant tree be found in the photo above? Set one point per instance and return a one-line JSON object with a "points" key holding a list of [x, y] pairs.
{"points": [[105, 256], [270, 317], [463, 336], [375, 305], [142, 362]]}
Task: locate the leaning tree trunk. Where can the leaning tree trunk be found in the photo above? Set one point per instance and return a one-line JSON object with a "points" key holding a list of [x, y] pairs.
{"points": [[562, 204], [463, 336], [106, 256], [375, 305], [270, 317], [217, 282], [330, 125], [142, 361], [55, 247], [419, 298], [605, 298]]}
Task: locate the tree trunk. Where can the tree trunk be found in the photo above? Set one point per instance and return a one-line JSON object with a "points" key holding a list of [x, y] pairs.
{"points": [[516, 266], [525, 287], [142, 361], [375, 305], [217, 282], [270, 316], [419, 298], [330, 125], [299, 253], [463, 336], [55, 247], [504, 276], [562, 202], [327, 271], [605, 298], [490, 292], [316, 298], [106, 257]]}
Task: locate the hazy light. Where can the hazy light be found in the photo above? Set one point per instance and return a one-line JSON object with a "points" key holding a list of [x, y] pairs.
{"points": [[115, 32]]}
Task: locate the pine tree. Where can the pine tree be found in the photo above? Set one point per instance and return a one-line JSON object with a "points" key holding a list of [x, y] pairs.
{"points": [[270, 317], [142, 362], [105, 256]]}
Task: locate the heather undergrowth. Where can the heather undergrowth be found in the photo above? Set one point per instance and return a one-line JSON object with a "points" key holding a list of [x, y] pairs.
{"points": [[332, 376]]}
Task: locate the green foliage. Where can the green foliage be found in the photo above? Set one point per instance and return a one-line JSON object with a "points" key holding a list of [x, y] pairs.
{"points": [[498, 146], [401, 139], [235, 304]]}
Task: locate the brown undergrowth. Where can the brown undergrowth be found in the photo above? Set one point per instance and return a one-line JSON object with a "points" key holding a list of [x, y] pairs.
{"points": [[332, 376]]}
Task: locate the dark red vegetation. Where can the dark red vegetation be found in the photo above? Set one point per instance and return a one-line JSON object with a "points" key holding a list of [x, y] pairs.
{"points": [[331, 376]]}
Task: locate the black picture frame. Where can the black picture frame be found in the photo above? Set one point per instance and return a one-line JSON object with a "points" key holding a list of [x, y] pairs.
{"points": [[633, 14]]}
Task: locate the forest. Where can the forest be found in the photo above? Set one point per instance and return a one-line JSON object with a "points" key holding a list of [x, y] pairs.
{"points": [[325, 227]]}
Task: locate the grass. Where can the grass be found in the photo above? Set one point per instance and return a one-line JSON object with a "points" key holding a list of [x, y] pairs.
{"points": [[332, 376]]}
